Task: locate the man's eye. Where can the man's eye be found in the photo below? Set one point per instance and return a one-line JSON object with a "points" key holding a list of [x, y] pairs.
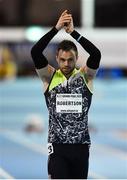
{"points": [[63, 60], [71, 59]]}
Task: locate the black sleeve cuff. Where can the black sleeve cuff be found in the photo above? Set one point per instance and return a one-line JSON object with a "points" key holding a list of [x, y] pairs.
{"points": [[75, 35], [54, 30]]}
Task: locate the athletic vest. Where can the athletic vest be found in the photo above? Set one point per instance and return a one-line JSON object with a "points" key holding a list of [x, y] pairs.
{"points": [[68, 102]]}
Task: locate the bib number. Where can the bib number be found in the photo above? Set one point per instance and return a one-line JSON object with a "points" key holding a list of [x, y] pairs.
{"points": [[50, 148]]}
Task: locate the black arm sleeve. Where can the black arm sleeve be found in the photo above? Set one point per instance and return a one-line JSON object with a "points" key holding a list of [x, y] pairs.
{"points": [[39, 59], [95, 55]]}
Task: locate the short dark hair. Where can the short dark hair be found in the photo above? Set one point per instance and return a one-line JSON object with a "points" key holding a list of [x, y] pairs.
{"points": [[67, 45]]}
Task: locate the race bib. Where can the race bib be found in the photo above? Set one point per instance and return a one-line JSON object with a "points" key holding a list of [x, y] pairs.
{"points": [[50, 148], [69, 103]]}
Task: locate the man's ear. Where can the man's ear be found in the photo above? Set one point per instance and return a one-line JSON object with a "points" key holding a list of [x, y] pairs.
{"points": [[77, 57], [57, 58]]}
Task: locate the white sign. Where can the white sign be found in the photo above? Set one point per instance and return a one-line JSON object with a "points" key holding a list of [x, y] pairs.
{"points": [[69, 103]]}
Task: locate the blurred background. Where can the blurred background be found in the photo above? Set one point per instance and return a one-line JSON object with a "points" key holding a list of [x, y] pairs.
{"points": [[23, 113]]}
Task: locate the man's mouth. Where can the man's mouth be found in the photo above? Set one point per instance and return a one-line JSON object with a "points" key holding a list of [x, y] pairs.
{"points": [[66, 68]]}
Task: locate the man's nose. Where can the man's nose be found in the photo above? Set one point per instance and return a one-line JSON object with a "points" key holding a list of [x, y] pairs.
{"points": [[66, 63]]}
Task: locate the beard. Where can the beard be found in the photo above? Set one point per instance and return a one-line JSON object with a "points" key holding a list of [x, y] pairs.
{"points": [[67, 70]]}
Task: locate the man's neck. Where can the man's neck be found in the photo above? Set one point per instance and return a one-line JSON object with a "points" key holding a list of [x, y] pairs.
{"points": [[68, 75]]}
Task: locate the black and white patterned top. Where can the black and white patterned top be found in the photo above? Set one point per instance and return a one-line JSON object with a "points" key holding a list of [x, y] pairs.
{"points": [[70, 124]]}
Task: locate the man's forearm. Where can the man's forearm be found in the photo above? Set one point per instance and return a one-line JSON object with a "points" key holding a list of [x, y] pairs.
{"points": [[95, 55], [39, 59]]}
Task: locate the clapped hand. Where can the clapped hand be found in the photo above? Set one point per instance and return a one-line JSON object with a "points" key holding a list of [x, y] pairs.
{"points": [[64, 20], [69, 27]]}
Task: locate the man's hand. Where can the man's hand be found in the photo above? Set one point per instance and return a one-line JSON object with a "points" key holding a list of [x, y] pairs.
{"points": [[69, 27], [64, 19]]}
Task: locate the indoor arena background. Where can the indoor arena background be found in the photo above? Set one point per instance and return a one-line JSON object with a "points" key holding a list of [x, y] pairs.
{"points": [[23, 113]]}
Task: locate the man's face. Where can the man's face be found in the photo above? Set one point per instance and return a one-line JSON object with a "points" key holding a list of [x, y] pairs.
{"points": [[66, 61]]}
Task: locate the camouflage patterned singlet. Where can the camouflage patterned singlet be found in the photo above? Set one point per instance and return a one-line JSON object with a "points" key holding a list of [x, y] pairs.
{"points": [[68, 102]]}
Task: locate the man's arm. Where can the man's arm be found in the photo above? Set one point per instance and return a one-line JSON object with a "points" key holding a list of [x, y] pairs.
{"points": [[43, 69], [38, 57], [93, 61]]}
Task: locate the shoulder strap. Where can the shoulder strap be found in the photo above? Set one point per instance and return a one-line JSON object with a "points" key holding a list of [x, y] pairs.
{"points": [[50, 82]]}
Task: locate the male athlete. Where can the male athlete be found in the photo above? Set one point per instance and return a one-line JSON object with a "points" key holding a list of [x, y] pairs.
{"points": [[68, 93]]}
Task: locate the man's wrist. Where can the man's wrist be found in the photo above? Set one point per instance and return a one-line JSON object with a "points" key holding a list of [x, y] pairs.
{"points": [[71, 31], [55, 29], [76, 35]]}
